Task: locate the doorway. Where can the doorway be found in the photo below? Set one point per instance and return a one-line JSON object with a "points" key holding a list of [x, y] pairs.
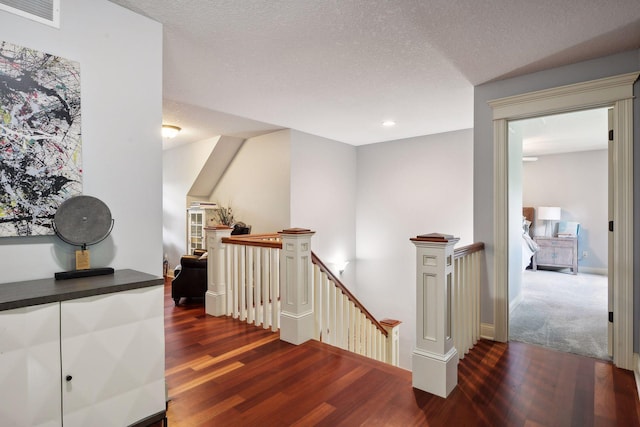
{"points": [[616, 92], [564, 193]]}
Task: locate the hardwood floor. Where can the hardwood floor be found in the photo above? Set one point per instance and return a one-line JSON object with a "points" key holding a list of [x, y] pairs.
{"points": [[222, 372]]}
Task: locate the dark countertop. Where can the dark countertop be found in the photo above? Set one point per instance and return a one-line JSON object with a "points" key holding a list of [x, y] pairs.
{"points": [[43, 291]]}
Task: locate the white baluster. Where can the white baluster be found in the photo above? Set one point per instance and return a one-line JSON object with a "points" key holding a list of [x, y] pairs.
{"points": [[464, 345], [257, 280], [325, 307], [332, 312], [274, 290], [370, 331], [274, 283], [236, 282], [457, 305], [476, 305], [374, 342], [249, 286], [347, 319], [352, 327], [317, 302], [470, 297], [243, 282], [229, 278], [266, 311], [339, 318], [358, 331]]}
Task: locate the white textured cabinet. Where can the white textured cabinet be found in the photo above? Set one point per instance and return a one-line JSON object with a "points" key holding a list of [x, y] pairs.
{"points": [[30, 366], [99, 358], [113, 349]]}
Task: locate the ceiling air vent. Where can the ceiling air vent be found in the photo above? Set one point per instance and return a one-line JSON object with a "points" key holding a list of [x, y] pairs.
{"points": [[44, 11]]}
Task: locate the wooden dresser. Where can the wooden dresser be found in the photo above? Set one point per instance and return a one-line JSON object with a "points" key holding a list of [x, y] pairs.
{"points": [[557, 252]]}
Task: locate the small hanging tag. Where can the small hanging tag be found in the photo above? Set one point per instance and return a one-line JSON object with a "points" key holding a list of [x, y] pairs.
{"points": [[83, 261]]}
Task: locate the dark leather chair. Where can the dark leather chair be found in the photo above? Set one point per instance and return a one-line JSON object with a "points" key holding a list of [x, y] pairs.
{"points": [[241, 228], [191, 280]]}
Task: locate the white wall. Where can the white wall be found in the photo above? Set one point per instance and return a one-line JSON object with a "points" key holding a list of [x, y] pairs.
{"points": [[404, 189], [257, 183], [180, 168], [120, 56], [323, 197], [577, 182]]}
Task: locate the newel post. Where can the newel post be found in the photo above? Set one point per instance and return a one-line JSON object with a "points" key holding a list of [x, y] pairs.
{"points": [[296, 293], [215, 298], [392, 327], [435, 359]]}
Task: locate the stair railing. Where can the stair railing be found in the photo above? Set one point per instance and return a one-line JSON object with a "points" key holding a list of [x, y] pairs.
{"points": [[342, 321], [253, 278], [245, 283]]}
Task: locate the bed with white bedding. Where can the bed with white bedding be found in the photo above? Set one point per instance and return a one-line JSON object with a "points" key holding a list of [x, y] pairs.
{"points": [[529, 247]]}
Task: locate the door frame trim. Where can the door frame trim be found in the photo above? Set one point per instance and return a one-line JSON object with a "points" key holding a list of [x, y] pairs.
{"points": [[616, 92]]}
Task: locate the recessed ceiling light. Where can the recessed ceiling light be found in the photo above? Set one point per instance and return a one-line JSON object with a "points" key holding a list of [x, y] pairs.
{"points": [[388, 123]]}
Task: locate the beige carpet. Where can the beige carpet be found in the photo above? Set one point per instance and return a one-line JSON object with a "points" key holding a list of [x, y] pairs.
{"points": [[562, 311]]}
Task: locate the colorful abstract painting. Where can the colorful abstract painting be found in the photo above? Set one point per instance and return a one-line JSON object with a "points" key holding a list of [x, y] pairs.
{"points": [[40, 138]]}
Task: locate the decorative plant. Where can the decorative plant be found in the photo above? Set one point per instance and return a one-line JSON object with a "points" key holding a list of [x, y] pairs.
{"points": [[224, 216]]}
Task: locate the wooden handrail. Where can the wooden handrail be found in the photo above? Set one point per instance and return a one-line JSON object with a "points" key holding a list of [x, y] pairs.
{"points": [[468, 250], [261, 240], [344, 290]]}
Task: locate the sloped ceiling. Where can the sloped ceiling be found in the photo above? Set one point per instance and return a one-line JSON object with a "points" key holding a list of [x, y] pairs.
{"points": [[216, 164], [339, 68]]}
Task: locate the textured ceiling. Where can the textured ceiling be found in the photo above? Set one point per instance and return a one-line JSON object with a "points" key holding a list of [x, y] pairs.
{"points": [[338, 68], [564, 133]]}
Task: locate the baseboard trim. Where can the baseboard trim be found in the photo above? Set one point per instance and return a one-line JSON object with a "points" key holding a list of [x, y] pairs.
{"points": [[592, 270], [516, 302], [487, 331]]}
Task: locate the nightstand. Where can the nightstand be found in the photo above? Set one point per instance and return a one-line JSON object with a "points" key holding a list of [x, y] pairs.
{"points": [[557, 252]]}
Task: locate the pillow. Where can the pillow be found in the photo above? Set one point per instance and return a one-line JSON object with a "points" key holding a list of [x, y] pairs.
{"points": [[204, 255]]}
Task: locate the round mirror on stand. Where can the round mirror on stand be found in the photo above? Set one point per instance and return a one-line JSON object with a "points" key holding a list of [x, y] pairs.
{"points": [[83, 221]]}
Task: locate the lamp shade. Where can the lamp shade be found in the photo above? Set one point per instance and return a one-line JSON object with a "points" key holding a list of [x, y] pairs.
{"points": [[551, 213]]}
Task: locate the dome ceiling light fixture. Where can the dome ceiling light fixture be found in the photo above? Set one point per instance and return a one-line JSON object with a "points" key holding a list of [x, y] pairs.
{"points": [[170, 131], [388, 123]]}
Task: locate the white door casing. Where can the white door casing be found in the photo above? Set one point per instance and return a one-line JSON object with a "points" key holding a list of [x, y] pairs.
{"points": [[616, 92], [610, 247]]}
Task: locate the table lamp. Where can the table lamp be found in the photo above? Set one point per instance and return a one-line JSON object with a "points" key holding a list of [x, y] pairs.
{"points": [[549, 214]]}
